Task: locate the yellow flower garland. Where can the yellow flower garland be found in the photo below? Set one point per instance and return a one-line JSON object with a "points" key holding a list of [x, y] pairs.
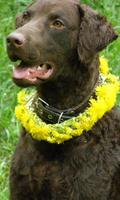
{"points": [[58, 133]]}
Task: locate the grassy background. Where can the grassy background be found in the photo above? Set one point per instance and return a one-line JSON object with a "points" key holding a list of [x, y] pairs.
{"points": [[9, 128]]}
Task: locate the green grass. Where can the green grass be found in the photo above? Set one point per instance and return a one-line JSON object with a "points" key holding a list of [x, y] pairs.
{"points": [[9, 127]]}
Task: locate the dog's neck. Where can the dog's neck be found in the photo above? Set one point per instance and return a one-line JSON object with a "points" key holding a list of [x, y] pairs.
{"points": [[73, 89]]}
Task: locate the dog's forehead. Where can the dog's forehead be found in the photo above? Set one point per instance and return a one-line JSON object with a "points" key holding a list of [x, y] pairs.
{"points": [[67, 6]]}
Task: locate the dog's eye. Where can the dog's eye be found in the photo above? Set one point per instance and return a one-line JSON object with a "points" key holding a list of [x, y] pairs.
{"points": [[58, 24], [26, 15]]}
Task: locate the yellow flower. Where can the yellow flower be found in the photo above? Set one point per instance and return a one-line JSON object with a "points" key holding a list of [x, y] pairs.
{"points": [[68, 130], [19, 110], [21, 97], [104, 65], [112, 78]]}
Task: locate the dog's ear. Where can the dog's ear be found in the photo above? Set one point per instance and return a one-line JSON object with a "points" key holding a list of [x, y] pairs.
{"points": [[95, 33]]}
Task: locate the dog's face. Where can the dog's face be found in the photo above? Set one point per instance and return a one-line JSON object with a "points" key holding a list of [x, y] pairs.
{"points": [[45, 41], [51, 36]]}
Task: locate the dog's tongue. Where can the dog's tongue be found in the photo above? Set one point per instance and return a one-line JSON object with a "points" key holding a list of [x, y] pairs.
{"points": [[32, 73]]}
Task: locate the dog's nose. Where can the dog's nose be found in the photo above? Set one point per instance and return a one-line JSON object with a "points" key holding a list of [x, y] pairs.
{"points": [[16, 39]]}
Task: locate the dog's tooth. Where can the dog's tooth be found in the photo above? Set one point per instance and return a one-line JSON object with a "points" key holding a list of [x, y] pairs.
{"points": [[44, 66], [39, 67], [28, 73]]}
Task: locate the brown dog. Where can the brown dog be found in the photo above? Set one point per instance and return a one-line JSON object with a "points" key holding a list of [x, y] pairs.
{"points": [[58, 43]]}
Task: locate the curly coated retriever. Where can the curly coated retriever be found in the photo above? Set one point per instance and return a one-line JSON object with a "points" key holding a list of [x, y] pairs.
{"points": [[58, 43]]}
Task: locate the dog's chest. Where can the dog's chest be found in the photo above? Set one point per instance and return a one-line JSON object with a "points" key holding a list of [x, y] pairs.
{"points": [[82, 170], [46, 180]]}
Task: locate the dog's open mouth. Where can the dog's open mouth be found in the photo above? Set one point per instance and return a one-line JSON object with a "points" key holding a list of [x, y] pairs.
{"points": [[32, 74]]}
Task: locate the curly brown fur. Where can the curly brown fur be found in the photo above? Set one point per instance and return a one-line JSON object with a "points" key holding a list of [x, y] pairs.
{"points": [[87, 167]]}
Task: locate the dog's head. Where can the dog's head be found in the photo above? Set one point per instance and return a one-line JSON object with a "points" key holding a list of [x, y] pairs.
{"points": [[52, 35]]}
